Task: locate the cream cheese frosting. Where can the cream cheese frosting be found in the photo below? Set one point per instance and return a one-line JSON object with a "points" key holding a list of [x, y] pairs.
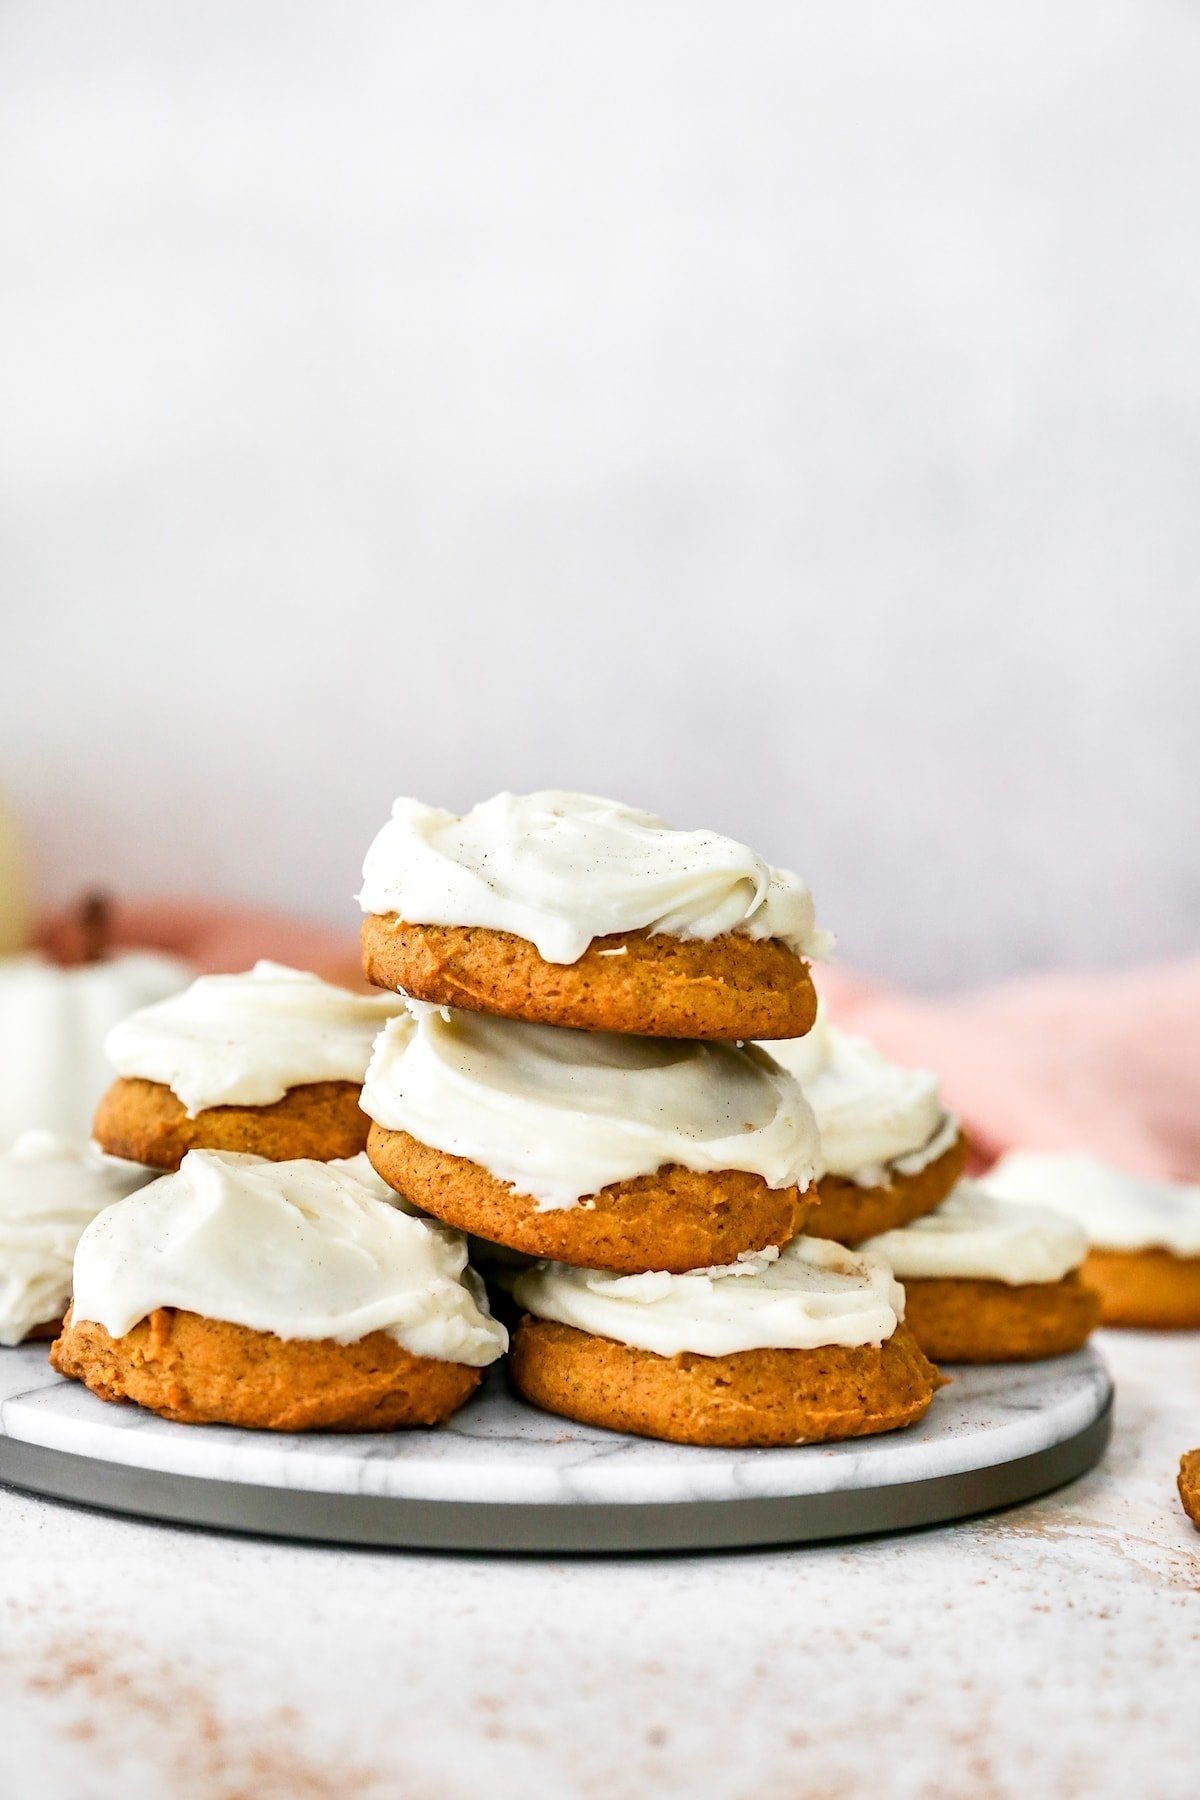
{"points": [[561, 1114], [975, 1236], [560, 869], [244, 1040], [50, 1190], [301, 1249], [810, 1294], [874, 1116], [1116, 1210]]}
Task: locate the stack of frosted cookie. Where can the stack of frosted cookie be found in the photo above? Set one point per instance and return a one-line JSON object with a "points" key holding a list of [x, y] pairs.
{"points": [[985, 1279], [573, 1078], [267, 1278], [596, 1054]]}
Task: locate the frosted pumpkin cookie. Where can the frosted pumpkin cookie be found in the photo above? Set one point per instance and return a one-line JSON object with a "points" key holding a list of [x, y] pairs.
{"points": [[49, 1191], [269, 1062], [1143, 1236], [615, 1152], [804, 1344], [291, 1296], [1189, 1485], [564, 909], [989, 1280], [890, 1150]]}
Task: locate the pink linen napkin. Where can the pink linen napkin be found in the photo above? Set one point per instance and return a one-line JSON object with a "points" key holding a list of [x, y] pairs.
{"points": [[1104, 1063]]}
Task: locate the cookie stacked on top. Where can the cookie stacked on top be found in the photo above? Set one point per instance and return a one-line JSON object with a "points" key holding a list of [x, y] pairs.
{"points": [[572, 1078]]}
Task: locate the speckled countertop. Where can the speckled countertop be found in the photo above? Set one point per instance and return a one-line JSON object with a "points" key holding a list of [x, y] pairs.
{"points": [[1052, 1650]]}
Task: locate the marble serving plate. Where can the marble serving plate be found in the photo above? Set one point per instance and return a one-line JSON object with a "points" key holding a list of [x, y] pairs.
{"points": [[502, 1477]]}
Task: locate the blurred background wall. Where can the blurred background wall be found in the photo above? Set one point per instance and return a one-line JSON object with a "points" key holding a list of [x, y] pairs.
{"points": [[783, 414]]}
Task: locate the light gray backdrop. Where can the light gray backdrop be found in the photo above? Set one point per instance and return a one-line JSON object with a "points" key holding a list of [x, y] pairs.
{"points": [[786, 415]]}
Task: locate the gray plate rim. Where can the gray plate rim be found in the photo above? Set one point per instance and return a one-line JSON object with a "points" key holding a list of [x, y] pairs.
{"points": [[524, 1528]]}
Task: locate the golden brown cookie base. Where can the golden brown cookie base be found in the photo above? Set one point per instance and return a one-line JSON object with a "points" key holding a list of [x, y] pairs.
{"points": [[673, 1220], [849, 1214], [1189, 1485], [143, 1121], [201, 1371], [649, 985], [989, 1321], [753, 1398], [1149, 1288]]}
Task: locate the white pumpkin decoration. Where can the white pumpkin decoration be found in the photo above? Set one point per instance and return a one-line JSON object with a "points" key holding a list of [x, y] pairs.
{"points": [[53, 1023]]}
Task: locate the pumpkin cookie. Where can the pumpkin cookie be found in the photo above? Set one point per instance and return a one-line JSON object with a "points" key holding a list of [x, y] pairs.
{"points": [[890, 1151], [614, 1152], [993, 1321], [1153, 1290], [988, 1280], [200, 1371], [1143, 1236], [851, 1214], [144, 1121], [804, 1347], [562, 909], [673, 1219], [1189, 1485], [49, 1191], [270, 1063], [732, 988], [288, 1296]]}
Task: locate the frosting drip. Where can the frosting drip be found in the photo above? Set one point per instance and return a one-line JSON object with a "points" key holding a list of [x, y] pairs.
{"points": [[559, 869], [302, 1249], [1117, 1211], [49, 1191], [244, 1040], [874, 1116], [561, 1114], [974, 1236], [809, 1294]]}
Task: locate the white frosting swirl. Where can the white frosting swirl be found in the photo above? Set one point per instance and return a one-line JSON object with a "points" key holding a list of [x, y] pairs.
{"points": [[874, 1116], [301, 1249], [974, 1236], [1116, 1210], [560, 869], [807, 1295], [244, 1040], [561, 1114], [49, 1191]]}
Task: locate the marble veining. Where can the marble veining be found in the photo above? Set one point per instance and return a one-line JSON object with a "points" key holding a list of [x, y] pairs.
{"points": [[500, 1450]]}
